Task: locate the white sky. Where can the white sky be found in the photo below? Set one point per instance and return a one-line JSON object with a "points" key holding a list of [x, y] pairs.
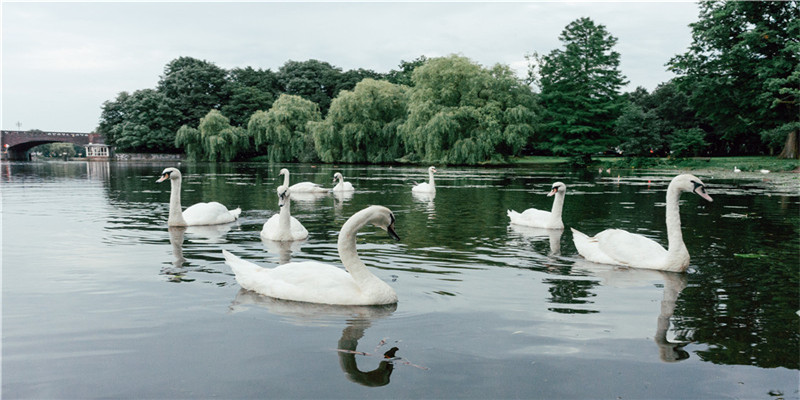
{"points": [[61, 61]]}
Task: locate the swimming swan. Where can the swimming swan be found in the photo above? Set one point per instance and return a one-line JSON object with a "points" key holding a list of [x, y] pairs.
{"points": [[302, 187], [283, 226], [424, 187], [543, 219], [211, 213], [618, 247], [317, 282], [342, 186]]}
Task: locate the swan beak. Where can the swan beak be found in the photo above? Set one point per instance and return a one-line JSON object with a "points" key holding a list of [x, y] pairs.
{"points": [[163, 178], [391, 231], [702, 193], [552, 192]]}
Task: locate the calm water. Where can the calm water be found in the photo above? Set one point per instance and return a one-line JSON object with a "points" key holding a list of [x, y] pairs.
{"points": [[101, 300]]}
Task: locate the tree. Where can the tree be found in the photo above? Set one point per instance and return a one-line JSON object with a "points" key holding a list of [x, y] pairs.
{"points": [[741, 71], [142, 121], [361, 125], [248, 91], [312, 80], [192, 87], [403, 75], [284, 130], [214, 140], [580, 91], [639, 131], [461, 113]]}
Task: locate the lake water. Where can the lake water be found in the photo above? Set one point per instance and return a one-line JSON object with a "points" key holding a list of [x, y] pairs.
{"points": [[101, 300]]}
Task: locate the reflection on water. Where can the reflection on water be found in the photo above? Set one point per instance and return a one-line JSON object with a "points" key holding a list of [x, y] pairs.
{"points": [[476, 294]]}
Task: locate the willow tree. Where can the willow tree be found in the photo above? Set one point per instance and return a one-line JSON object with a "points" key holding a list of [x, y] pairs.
{"points": [[214, 140], [361, 126], [462, 113], [284, 131]]}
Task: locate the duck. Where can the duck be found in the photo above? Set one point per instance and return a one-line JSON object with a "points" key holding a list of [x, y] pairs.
{"points": [[211, 213], [543, 219], [302, 187], [283, 226], [316, 282], [619, 247], [342, 186], [426, 187]]}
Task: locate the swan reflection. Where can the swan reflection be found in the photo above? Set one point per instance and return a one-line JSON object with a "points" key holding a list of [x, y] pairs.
{"points": [[358, 319], [426, 199], [554, 235], [200, 234], [674, 283], [283, 249]]}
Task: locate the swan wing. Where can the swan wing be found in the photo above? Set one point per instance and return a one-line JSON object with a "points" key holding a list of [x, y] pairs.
{"points": [[271, 229], [210, 213], [344, 187], [423, 188], [299, 231], [306, 187], [531, 217], [630, 249]]}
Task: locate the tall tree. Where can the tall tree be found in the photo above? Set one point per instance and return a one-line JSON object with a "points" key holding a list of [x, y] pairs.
{"points": [[361, 125], [284, 129], [312, 80], [742, 71], [192, 87], [580, 91], [462, 113], [142, 121], [248, 91], [403, 75]]}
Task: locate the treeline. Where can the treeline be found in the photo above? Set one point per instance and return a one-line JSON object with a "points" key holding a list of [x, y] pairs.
{"points": [[736, 93]]}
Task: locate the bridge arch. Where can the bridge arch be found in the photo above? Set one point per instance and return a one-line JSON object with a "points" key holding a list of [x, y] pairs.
{"points": [[17, 144]]}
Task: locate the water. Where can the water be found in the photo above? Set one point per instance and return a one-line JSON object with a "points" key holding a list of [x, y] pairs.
{"points": [[101, 300]]}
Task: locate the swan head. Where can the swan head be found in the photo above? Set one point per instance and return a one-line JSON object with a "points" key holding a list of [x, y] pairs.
{"points": [[283, 195], [283, 171], [169, 173], [690, 183], [383, 218], [337, 175], [558, 187], [431, 169]]}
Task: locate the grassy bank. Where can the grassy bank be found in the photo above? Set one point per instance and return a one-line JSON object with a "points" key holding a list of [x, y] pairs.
{"points": [[746, 164]]}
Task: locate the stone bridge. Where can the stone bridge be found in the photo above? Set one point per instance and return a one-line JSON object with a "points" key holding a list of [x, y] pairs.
{"points": [[15, 144]]}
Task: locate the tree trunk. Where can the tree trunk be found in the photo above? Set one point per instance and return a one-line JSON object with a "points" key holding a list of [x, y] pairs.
{"points": [[791, 149]]}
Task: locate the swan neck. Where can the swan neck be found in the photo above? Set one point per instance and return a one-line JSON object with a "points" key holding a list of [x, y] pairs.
{"points": [[674, 235], [347, 248], [175, 213], [284, 218], [430, 179], [558, 206], [286, 179]]}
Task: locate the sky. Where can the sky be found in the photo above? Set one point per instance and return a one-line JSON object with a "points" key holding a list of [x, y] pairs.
{"points": [[61, 61]]}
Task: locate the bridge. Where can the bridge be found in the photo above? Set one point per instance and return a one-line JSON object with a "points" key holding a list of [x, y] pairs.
{"points": [[15, 144]]}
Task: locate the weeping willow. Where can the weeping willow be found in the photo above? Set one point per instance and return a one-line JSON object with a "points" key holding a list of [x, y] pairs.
{"points": [[283, 132], [214, 140], [361, 125], [462, 113]]}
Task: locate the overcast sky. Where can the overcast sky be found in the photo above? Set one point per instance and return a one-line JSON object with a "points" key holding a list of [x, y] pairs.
{"points": [[61, 61]]}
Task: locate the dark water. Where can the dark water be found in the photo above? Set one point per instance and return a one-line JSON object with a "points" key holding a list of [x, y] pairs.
{"points": [[101, 300]]}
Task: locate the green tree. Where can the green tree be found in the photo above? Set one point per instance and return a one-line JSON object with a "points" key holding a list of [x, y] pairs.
{"points": [[639, 131], [403, 75], [741, 71], [192, 87], [312, 80], [248, 91], [580, 91], [142, 121], [284, 129], [214, 140], [361, 125], [461, 113]]}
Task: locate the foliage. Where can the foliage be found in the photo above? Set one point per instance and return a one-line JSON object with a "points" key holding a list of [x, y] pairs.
{"points": [[284, 130], [737, 70], [639, 131], [461, 113], [688, 142], [192, 87], [404, 74], [580, 91], [215, 140], [248, 91], [313, 80], [361, 125], [141, 121], [57, 150]]}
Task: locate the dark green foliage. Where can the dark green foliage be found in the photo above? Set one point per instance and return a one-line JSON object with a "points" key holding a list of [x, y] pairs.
{"points": [[737, 70], [403, 75], [361, 126], [248, 91], [141, 121], [214, 140], [284, 132], [461, 113], [192, 87], [639, 132], [688, 142], [580, 91], [313, 80]]}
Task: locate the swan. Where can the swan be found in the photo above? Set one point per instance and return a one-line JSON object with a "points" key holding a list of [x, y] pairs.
{"points": [[424, 187], [342, 186], [283, 226], [211, 213], [317, 282], [543, 219], [619, 247], [302, 187], [736, 170]]}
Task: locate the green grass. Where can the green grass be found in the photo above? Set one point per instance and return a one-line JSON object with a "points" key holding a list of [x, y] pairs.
{"points": [[746, 164]]}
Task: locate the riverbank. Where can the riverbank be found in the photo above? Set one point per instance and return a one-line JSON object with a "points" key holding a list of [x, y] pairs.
{"points": [[744, 164]]}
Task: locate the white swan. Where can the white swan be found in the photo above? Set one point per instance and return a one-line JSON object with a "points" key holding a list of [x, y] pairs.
{"points": [[342, 186], [302, 187], [426, 187], [543, 219], [736, 169], [618, 247], [283, 226], [316, 282], [211, 213]]}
